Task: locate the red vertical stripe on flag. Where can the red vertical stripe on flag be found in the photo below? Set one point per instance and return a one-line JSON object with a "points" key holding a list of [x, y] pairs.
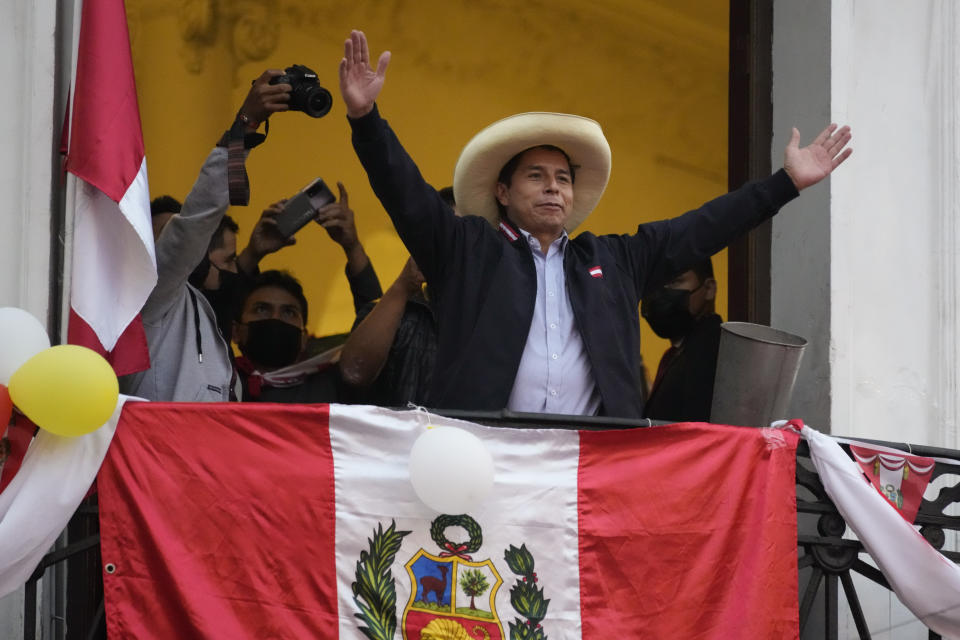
{"points": [[106, 140], [688, 531], [235, 543], [129, 355]]}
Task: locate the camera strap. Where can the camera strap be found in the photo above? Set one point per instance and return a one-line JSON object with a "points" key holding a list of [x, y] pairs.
{"points": [[237, 144]]}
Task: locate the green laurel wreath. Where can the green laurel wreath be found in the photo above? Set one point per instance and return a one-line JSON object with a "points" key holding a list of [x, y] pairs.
{"points": [[375, 584], [439, 526], [525, 597]]}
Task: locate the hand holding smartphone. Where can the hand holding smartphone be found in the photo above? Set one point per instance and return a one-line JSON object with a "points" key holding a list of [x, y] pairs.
{"points": [[303, 207]]}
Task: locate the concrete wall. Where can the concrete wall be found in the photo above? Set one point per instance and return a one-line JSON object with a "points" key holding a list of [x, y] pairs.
{"points": [[864, 265], [30, 104], [800, 263], [27, 157]]}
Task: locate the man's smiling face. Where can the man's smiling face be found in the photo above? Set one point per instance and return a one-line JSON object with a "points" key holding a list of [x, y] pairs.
{"points": [[540, 193]]}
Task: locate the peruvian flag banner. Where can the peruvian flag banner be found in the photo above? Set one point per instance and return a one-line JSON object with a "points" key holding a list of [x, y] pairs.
{"points": [[899, 477], [300, 521], [113, 260]]}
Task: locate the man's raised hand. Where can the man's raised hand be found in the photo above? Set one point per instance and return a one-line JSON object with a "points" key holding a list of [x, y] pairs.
{"points": [[359, 83], [811, 164]]}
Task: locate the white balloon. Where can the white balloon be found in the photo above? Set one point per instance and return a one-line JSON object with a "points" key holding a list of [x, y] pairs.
{"points": [[21, 337], [451, 470]]}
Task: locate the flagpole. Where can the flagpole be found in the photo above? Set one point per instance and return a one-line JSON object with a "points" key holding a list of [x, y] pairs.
{"points": [[70, 185]]}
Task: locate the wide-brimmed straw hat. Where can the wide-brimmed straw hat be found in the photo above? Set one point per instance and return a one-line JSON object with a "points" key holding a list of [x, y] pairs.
{"points": [[480, 162]]}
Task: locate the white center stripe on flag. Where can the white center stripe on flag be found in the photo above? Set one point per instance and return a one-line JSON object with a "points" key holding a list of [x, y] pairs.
{"points": [[535, 483]]}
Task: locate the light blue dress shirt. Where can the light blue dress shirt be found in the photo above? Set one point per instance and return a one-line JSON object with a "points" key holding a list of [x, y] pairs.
{"points": [[554, 374]]}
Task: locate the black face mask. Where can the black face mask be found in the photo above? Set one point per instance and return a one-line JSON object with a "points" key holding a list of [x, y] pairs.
{"points": [[272, 343], [199, 274], [667, 311], [226, 299]]}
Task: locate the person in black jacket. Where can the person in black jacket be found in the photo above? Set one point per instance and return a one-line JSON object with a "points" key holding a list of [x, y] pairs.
{"points": [[530, 319], [682, 311]]}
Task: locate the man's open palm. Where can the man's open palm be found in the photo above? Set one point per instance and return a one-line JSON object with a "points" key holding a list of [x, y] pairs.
{"points": [[811, 164], [359, 83]]}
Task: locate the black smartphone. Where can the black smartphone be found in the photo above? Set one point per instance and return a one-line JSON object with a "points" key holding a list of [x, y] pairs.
{"points": [[303, 207]]}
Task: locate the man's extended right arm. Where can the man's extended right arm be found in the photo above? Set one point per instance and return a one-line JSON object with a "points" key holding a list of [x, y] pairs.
{"points": [[427, 226]]}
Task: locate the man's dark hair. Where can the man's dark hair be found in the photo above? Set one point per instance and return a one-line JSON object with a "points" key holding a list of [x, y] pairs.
{"points": [[226, 224], [281, 280], [164, 204], [446, 194], [506, 173], [703, 270]]}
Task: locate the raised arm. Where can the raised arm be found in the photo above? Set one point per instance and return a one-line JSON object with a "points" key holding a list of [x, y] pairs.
{"points": [[184, 240], [264, 240], [427, 226], [337, 219], [366, 350], [660, 250]]}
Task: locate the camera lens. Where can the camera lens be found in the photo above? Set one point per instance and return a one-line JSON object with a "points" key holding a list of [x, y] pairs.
{"points": [[318, 102]]}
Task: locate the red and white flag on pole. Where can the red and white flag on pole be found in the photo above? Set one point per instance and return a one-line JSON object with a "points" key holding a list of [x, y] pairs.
{"points": [[113, 261]]}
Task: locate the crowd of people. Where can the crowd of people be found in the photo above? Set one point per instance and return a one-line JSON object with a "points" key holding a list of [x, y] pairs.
{"points": [[498, 307]]}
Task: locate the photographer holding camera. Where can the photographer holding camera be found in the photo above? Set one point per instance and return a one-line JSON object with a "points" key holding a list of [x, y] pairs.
{"points": [[306, 94], [270, 323], [190, 359]]}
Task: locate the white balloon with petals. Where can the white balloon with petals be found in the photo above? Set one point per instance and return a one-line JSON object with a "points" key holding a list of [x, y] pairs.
{"points": [[451, 470], [22, 336]]}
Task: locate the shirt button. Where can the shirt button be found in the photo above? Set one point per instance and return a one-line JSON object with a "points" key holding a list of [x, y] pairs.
{"points": [[550, 293], [554, 356], [553, 392], [553, 325]]}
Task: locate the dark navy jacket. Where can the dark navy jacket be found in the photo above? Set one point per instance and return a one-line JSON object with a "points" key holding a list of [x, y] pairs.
{"points": [[483, 284]]}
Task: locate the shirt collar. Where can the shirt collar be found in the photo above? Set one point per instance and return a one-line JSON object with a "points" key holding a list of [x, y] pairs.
{"points": [[560, 242]]}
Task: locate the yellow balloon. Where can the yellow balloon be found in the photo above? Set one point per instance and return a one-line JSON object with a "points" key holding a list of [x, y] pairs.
{"points": [[68, 390]]}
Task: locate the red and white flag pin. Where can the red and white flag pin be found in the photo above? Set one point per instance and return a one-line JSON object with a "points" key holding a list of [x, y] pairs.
{"points": [[596, 272]]}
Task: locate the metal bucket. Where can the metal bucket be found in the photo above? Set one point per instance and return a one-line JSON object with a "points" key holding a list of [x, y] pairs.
{"points": [[756, 370]]}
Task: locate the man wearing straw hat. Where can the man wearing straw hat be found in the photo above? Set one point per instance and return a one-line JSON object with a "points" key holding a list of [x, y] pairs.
{"points": [[531, 319]]}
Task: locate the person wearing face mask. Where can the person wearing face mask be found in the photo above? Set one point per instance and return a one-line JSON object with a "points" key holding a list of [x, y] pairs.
{"points": [[217, 275], [682, 311], [270, 332], [190, 360], [224, 277]]}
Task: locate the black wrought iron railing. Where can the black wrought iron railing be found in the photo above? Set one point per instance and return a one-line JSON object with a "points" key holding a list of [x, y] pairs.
{"points": [[827, 560]]}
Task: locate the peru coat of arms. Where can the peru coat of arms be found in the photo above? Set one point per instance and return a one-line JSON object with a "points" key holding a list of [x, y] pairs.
{"points": [[452, 594]]}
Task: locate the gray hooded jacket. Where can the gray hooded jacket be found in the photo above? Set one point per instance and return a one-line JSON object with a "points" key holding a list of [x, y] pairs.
{"points": [[179, 322]]}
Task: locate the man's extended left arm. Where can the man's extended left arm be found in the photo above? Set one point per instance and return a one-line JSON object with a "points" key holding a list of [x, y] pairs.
{"points": [[660, 250]]}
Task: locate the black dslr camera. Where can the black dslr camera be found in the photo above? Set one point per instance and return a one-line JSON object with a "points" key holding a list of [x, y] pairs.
{"points": [[307, 95]]}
